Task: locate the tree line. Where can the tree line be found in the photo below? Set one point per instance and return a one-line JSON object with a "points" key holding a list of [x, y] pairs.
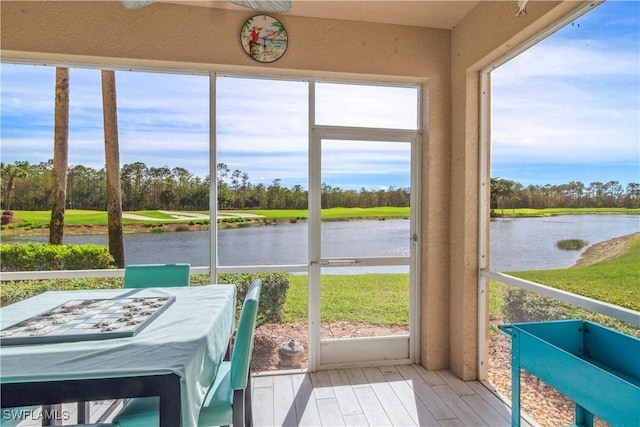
{"points": [[508, 194], [235, 191], [27, 186]]}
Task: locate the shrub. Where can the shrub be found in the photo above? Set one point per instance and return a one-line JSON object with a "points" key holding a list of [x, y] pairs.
{"points": [[14, 291], [232, 220], [520, 305], [272, 296], [572, 244], [16, 223], [7, 217], [44, 257]]}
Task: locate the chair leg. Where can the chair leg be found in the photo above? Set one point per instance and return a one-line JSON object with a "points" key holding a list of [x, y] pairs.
{"points": [[84, 412], [238, 408], [227, 355], [51, 415], [248, 411]]}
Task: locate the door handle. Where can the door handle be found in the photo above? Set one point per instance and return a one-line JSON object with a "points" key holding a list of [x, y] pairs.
{"points": [[339, 262]]}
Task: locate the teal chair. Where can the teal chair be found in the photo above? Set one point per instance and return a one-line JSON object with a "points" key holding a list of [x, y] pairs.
{"points": [[157, 275], [228, 399]]}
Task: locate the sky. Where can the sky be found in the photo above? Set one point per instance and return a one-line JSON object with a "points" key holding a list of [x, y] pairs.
{"points": [[567, 109]]}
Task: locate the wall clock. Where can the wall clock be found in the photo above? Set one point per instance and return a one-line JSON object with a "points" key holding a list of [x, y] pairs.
{"points": [[264, 38]]}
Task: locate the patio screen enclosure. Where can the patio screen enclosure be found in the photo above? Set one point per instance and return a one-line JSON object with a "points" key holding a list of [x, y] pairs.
{"points": [[328, 147]]}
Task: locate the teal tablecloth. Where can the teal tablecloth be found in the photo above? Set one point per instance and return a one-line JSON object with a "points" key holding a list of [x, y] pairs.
{"points": [[189, 339]]}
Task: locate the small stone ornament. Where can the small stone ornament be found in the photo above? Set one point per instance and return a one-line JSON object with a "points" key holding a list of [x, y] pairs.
{"points": [[290, 354]]}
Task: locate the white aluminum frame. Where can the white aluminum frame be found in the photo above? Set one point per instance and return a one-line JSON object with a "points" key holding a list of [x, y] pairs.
{"points": [[313, 268], [339, 353], [213, 177], [485, 185]]}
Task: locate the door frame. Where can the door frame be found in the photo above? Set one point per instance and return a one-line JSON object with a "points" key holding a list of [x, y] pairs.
{"points": [[346, 352]]}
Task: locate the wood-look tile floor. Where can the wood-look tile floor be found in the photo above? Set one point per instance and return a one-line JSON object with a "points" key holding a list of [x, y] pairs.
{"points": [[404, 395]]}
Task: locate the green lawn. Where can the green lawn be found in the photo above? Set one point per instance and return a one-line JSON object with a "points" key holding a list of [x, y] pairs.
{"points": [[333, 213], [87, 217], [383, 298], [616, 281], [380, 299], [84, 217], [71, 217], [526, 212]]}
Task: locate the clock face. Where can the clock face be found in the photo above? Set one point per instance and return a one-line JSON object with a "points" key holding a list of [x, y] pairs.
{"points": [[264, 38]]}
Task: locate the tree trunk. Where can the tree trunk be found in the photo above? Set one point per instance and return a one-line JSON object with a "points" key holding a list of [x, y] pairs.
{"points": [[60, 157], [7, 193], [112, 155]]}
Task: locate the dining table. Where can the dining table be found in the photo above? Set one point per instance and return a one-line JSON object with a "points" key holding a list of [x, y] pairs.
{"points": [[174, 357]]}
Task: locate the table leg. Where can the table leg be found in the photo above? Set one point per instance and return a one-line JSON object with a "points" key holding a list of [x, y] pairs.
{"points": [[170, 401], [583, 417], [515, 380]]}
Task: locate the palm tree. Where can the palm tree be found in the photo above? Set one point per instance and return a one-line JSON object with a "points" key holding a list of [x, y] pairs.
{"points": [[60, 157], [112, 155]]}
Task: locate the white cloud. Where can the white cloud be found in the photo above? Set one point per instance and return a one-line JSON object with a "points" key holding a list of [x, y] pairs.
{"points": [[570, 58], [568, 101], [367, 106]]}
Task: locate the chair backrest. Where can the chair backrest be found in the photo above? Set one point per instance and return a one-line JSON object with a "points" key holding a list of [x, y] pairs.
{"points": [[157, 275], [243, 345]]}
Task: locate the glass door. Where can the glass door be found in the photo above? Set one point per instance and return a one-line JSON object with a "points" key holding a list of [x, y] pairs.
{"points": [[363, 257]]}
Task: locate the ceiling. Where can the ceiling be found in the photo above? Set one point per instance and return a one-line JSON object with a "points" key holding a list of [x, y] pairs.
{"points": [[444, 14]]}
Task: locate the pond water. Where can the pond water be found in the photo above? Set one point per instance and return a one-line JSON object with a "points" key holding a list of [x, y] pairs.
{"points": [[530, 243], [516, 244]]}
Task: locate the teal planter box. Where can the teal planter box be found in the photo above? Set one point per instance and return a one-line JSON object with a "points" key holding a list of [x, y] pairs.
{"points": [[596, 367]]}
